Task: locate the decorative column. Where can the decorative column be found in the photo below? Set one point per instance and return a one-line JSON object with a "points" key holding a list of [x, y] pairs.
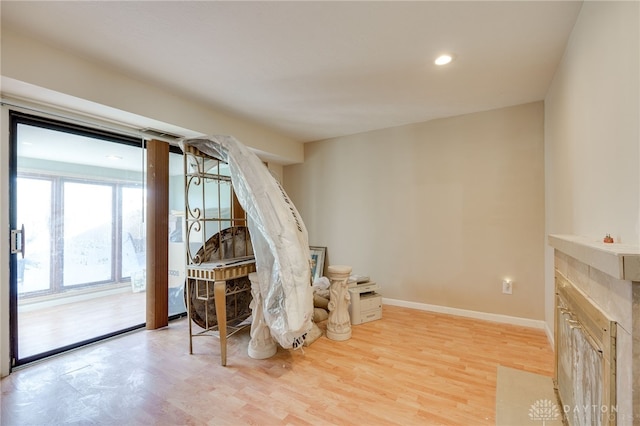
{"points": [[261, 345], [339, 323]]}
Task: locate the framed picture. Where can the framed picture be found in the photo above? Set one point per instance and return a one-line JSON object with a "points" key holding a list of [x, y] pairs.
{"points": [[317, 262]]}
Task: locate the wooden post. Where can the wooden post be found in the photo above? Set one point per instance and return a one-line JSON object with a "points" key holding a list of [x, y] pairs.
{"points": [[157, 218]]}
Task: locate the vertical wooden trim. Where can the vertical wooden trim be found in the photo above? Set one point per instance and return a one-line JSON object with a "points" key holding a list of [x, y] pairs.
{"points": [[157, 218], [239, 216]]}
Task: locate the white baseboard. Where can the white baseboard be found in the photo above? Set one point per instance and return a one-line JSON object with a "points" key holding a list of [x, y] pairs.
{"points": [[506, 319]]}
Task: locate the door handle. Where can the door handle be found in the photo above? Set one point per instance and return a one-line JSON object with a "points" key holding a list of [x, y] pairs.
{"points": [[14, 241]]}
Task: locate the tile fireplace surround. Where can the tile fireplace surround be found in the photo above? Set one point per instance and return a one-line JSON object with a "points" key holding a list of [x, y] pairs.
{"points": [[609, 276]]}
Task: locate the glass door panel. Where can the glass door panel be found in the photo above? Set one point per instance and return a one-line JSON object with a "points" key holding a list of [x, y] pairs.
{"points": [[177, 257], [79, 194]]}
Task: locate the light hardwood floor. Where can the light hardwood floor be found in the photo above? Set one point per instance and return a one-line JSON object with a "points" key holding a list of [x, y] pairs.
{"points": [[410, 368], [47, 328]]}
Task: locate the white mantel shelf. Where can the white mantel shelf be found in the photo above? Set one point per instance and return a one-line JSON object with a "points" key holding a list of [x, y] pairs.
{"points": [[621, 261]]}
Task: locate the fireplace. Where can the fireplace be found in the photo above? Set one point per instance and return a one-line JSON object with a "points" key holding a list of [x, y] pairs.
{"points": [[597, 330], [585, 358]]}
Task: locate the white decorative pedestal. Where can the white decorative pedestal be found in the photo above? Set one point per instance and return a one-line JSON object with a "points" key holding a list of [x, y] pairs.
{"points": [[261, 345], [339, 323]]}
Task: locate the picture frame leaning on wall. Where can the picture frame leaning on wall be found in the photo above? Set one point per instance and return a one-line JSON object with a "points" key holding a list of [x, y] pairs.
{"points": [[317, 262]]}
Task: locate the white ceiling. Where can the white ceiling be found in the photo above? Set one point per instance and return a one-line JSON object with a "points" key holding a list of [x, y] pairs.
{"points": [[319, 69]]}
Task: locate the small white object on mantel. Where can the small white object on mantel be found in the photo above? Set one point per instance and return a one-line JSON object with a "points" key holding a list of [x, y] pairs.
{"points": [[621, 261]]}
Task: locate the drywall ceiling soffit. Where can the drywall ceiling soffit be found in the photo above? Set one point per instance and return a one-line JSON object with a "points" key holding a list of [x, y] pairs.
{"points": [[315, 69]]}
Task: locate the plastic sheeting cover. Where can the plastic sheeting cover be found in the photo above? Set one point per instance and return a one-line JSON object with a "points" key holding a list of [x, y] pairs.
{"points": [[279, 237]]}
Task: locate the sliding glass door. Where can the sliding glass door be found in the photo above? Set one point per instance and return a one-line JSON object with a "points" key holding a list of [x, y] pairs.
{"points": [[79, 193]]}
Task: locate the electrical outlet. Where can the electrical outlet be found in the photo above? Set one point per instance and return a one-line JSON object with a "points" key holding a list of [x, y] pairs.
{"points": [[507, 287]]}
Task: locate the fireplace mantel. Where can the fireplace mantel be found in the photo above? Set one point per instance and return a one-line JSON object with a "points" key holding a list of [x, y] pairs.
{"points": [[621, 261]]}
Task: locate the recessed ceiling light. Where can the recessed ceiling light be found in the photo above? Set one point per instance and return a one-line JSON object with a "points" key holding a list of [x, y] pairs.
{"points": [[443, 59]]}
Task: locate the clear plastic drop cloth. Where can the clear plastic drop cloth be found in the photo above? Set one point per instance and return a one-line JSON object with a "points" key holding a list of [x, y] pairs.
{"points": [[279, 237]]}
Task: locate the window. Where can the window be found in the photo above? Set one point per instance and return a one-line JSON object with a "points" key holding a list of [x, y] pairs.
{"points": [[34, 211], [96, 227]]}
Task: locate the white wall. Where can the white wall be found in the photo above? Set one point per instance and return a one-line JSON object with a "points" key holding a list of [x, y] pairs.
{"points": [[438, 212], [592, 138]]}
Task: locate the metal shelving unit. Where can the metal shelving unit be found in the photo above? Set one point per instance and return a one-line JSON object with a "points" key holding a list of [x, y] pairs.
{"points": [[219, 252]]}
